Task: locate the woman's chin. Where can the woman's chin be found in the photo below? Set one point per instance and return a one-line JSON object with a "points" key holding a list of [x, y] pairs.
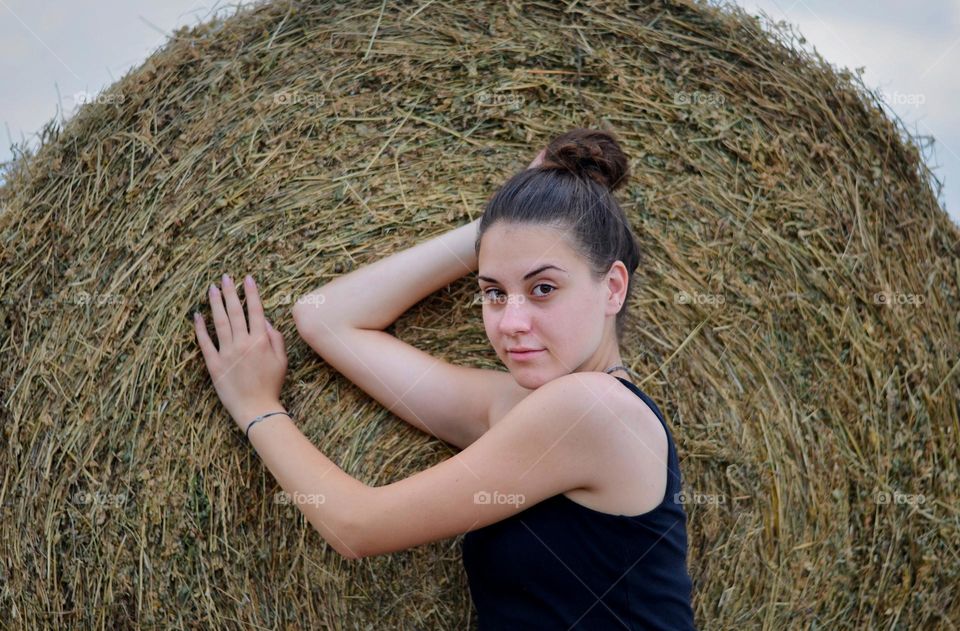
{"points": [[530, 377]]}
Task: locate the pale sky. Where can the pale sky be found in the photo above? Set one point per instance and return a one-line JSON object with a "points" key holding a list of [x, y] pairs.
{"points": [[52, 52]]}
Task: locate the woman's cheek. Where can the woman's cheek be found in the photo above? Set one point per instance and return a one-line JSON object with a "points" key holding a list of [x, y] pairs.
{"points": [[489, 327]]}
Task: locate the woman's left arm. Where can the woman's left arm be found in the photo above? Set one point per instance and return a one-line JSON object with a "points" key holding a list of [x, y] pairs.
{"points": [[554, 440], [248, 371]]}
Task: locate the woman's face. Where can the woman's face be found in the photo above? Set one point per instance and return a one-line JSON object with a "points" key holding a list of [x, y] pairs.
{"points": [[539, 294]]}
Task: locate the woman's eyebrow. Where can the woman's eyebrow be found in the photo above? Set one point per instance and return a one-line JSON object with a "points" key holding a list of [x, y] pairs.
{"points": [[525, 276]]}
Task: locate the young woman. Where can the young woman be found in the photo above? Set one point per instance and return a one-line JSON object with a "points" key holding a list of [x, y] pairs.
{"points": [[567, 483]]}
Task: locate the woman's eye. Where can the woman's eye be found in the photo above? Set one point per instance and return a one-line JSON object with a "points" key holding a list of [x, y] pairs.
{"points": [[496, 296]]}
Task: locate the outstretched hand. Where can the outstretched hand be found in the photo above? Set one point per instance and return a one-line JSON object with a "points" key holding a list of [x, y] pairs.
{"points": [[538, 160], [249, 367]]}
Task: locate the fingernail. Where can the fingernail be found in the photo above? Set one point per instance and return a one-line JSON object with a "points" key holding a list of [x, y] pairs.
{"points": [[226, 279], [248, 279], [213, 289]]}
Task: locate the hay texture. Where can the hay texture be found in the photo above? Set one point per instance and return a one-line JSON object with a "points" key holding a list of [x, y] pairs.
{"points": [[796, 318]]}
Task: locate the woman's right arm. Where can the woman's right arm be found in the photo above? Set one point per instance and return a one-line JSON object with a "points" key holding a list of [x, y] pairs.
{"points": [[375, 295], [343, 322]]}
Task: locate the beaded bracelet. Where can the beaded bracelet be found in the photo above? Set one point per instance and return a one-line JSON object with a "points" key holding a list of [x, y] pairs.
{"points": [[260, 418]]}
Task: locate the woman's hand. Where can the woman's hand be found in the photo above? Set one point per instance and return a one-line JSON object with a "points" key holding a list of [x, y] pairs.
{"points": [[538, 160], [249, 368]]}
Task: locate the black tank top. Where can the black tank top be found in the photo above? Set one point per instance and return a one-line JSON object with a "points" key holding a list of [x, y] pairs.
{"points": [[562, 565]]}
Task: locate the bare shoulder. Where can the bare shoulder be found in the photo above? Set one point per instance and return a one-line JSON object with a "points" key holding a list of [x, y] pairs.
{"points": [[576, 393], [509, 393], [632, 476], [574, 387], [619, 411]]}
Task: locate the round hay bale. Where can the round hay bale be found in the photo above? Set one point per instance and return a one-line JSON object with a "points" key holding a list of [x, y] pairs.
{"points": [[796, 319]]}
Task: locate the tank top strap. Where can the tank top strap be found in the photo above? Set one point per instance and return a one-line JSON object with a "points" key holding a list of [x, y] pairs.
{"points": [[673, 461]]}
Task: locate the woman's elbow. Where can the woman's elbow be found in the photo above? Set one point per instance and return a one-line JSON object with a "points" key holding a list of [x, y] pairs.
{"points": [[344, 532], [345, 546], [309, 317]]}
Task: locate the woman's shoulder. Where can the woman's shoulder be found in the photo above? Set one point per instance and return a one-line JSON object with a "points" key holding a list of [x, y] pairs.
{"points": [[635, 475], [601, 395], [600, 403], [590, 384]]}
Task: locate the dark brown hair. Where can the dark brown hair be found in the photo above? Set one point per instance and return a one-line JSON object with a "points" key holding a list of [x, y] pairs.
{"points": [[572, 189]]}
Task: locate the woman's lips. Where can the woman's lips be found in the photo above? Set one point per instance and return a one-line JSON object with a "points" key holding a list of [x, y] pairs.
{"points": [[524, 355]]}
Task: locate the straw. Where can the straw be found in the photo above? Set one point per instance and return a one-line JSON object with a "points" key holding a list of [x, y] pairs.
{"points": [[795, 320]]}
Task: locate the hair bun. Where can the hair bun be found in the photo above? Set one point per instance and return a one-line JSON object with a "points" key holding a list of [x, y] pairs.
{"points": [[590, 153]]}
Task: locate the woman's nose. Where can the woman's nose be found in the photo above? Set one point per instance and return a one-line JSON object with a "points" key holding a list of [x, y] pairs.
{"points": [[515, 317]]}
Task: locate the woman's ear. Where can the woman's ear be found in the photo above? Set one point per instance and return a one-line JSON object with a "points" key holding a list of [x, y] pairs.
{"points": [[618, 280]]}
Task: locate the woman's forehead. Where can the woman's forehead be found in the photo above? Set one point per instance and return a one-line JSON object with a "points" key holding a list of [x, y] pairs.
{"points": [[524, 244]]}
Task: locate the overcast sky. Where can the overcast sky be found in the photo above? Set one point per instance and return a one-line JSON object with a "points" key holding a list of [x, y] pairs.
{"points": [[53, 52]]}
